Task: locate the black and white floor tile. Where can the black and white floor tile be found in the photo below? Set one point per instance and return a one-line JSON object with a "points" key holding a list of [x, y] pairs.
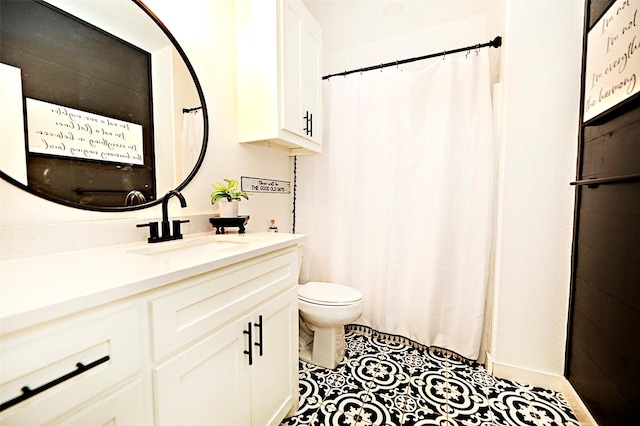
{"points": [[396, 383]]}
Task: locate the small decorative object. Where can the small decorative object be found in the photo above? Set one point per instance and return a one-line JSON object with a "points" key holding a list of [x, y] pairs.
{"points": [[273, 227], [227, 196], [219, 223]]}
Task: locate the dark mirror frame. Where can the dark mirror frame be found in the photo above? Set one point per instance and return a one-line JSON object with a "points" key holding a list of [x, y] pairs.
{"points": [[188, 179]]}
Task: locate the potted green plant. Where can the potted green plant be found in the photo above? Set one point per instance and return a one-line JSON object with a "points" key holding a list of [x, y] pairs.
{"points": [[227, 195]]}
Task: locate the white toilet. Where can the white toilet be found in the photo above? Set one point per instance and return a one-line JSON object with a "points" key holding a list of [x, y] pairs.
{"points": [[325, 308]]}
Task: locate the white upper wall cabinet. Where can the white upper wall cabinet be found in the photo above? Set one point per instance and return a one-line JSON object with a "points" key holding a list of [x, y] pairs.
{"points": [[279, 75]]}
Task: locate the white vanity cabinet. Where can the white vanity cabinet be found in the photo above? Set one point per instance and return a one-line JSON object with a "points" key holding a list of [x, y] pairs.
{"points": [[204, 340], [226, 345], [217, 382], [279, 47]]}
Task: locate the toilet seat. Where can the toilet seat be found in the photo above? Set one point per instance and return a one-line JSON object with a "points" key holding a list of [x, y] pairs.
{"points": [[329, 294]]}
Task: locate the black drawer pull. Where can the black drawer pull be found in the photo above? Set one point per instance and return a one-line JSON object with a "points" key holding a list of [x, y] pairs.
{"points": [[28, 393]]}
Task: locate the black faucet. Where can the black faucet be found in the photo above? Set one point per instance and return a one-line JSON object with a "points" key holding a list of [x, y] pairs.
{"points": [[167, 235]]}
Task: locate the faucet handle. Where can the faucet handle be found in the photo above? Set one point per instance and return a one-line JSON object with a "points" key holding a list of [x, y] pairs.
{"points": [[176, 229], [153, 230]]}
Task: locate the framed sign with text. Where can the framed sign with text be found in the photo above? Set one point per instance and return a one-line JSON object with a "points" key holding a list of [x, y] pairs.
{"points": [[252, 184], [612, 59], [66, 132]]}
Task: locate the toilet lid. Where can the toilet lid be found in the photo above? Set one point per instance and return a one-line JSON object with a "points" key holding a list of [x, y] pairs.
{"points": [[328, 293]]}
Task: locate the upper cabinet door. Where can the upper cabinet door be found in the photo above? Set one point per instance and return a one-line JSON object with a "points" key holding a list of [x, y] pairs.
{"points": [[279, 74], [301, 47], [311, 72]]}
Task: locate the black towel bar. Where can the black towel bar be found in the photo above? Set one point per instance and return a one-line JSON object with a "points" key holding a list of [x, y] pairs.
{"points": [[593, 183], [82, 191]]}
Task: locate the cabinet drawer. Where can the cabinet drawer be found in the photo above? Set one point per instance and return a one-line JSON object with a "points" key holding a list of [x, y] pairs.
{"points": [[123, 407], [203, 304], [45, 355]]}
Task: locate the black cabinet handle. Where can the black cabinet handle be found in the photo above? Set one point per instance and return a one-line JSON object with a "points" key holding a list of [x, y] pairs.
{"points": [[259, 325], [250, 351], [308, 119], [29, 393], [306, 122]]}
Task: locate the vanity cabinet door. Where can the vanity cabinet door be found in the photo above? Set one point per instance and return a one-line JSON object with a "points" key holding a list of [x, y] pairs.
{"points": [[274, 374], [208, 384]]}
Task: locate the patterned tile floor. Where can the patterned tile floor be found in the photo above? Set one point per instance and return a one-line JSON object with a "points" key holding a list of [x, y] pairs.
{"points": [[387, 383]]}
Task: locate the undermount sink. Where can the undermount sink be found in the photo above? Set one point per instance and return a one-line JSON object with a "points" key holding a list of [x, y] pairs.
{"points": [[182, 248]]}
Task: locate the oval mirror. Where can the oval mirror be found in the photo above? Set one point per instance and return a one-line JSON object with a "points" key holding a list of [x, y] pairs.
{"points": [[101, 109]]}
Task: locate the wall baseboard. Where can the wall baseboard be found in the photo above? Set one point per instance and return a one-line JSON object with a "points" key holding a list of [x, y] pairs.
{"points": [[575, 402], [544, 380]]}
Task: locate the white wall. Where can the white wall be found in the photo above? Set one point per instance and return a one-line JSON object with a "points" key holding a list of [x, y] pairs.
{"points": [[462, 32], [541, 83], [206, 31]]}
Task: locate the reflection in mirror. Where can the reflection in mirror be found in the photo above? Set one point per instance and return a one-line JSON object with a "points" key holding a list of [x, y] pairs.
{"points": [[101, 109]]}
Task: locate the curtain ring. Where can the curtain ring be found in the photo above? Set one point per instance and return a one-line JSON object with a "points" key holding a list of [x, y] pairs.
{"points": [[345, 74], [444, 55], [477, 48], [381, 67]]}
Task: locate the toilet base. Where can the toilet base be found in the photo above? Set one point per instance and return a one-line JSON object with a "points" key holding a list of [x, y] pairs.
{"points": [[327, 349], [306, 355]]}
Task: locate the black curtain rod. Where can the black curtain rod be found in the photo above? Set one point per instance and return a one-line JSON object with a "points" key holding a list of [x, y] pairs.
{"points": [[185, 110], [496, 42]]}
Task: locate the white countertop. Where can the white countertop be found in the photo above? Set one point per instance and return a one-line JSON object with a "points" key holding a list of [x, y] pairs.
{"points": [[38, 289]]}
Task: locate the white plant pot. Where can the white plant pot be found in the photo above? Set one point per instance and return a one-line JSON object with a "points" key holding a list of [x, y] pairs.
{"points": [[228, 208]]}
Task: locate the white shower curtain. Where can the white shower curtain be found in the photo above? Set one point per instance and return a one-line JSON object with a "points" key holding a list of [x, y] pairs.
{"points": [[403, 195], [188, 151]]}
